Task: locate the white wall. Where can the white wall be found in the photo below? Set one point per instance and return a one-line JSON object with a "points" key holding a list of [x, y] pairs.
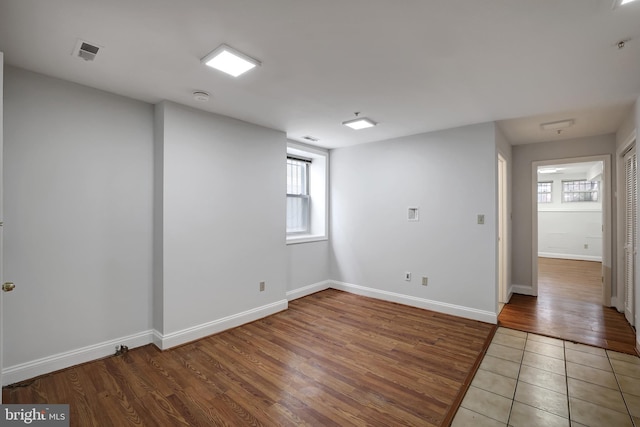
{"points": [[78, 220], [223, 212], [523, 157], [308, 268], [565, 228], [372, 185]]}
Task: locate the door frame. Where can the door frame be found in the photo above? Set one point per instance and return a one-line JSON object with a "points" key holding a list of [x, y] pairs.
{"points": [[607, 205], [503, 232], [1, 209]]}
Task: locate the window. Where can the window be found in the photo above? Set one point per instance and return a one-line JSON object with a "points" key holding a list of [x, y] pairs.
{"points": [[307, 193], [298, 199], [580, 191], [544, 191]]}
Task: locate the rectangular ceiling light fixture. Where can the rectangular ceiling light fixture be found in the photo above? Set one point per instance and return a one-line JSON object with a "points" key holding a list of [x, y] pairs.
{"points": [[230, 61], [617, 3], [562, 124], [360, 123]]}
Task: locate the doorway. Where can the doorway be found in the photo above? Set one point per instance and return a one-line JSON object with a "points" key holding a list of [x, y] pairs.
{"points": [[570, 231], [575, 226], [596, 324]]}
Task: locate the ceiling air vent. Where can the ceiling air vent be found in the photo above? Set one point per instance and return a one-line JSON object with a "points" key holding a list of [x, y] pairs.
{"points": [[86, 51]]}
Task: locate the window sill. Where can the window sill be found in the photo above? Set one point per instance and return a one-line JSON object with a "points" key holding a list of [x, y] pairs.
{"points": [[305, 238]]}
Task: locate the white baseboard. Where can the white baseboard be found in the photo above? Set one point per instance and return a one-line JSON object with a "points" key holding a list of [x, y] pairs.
{"points": [[193, 333], [28, 370], [308, 290], [441, 307], [570, 256], [32, 369], [509, 294], [522, 290]]}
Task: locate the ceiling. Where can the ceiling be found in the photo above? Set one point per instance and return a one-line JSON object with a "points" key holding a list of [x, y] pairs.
{"points": [[573, 169], [412, 65]]}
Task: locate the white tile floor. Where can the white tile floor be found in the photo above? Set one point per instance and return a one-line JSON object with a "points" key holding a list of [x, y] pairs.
{"points": [[531, 380]]}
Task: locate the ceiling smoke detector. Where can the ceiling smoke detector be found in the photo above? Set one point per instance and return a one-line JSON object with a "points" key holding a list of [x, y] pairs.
{"points": [[85, 50], [200, 96]]}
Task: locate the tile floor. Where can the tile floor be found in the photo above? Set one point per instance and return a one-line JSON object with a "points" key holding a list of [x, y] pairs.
{"points": [[531, 380]]}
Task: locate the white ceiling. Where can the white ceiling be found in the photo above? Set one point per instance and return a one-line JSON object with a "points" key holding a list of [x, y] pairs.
{"points": [[573, 169], [412, 65]]}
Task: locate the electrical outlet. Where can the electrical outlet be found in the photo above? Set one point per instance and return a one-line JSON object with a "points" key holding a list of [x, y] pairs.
{"points": [[407, 276], [480, 219], [425, 280], [586, 246], [262, 284]]}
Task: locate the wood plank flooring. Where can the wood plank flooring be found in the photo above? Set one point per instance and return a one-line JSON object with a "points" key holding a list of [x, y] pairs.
{"points": [[569, 306], [332, 358]]}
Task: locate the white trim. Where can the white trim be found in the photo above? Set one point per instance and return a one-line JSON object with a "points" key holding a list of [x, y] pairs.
{"points": [[575, 257], [305, 238], [308, 290], [200, 331], [522, 290], [45, 365], [509, 294], [440, 307]]}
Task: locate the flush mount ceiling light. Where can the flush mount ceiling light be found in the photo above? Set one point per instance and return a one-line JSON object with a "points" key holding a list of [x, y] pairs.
{"points": [[359, 123], [230, 61], [617, 3], [557, 126], [550, 170]]}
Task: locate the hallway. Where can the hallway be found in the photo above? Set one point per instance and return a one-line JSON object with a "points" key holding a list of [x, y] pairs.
{"points": [[568, 307]]}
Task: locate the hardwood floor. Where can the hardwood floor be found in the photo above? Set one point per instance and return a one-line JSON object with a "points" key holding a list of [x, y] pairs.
{"points": [[332, 358], [569, 306]]}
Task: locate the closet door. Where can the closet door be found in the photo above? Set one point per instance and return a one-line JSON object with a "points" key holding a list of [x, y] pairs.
{"points": [[631, 207]]}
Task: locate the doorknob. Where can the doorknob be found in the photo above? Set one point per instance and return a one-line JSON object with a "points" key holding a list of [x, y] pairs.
{"points": [[8, 286]]}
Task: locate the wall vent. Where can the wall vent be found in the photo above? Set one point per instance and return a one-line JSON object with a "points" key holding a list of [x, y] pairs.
{"points": [[85, 50]]}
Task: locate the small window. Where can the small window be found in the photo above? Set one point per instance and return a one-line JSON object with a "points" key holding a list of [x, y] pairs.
{"points": [[580, 191], [544, 191], [307, 193], [298, 199]]}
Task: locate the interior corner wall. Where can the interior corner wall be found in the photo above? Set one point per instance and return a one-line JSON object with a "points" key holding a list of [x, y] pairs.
{"points": [[158, 210], [78, 221], [308, 268], [223, 216], [451, 177], [523, 158]]}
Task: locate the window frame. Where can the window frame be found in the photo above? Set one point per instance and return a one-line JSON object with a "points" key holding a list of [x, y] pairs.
{"points": [[304, 194], [318, 189], [590, 191], [544, 193]]}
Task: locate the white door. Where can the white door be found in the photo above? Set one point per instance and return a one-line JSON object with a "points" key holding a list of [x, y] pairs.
{"points": [[630, 215]]}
